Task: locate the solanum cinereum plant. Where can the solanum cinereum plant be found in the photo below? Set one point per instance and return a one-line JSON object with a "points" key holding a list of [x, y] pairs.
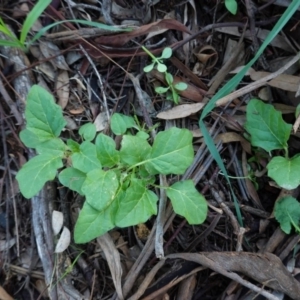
{"points": [[270, 132], [117, 184]]}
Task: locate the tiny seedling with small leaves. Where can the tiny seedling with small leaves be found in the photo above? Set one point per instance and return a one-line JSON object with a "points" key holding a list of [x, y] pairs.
{"points": [[172, 89], [270, 132], [117, 184]]}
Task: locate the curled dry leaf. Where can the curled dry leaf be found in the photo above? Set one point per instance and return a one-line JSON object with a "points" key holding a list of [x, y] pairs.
{"points": [[207, 57], [64, 241], [57, 221], [180, 111], [63, 88], [121, 39], [101, 121]]}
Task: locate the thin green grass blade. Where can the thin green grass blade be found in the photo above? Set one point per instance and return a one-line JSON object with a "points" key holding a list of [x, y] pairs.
{"points": [[5, 29], [14, 44], [31, 18], [227, 88], [83, 22]]}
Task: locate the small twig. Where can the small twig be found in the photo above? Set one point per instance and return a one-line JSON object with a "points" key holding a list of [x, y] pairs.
{"points": [[229, 213], [159, 237]]}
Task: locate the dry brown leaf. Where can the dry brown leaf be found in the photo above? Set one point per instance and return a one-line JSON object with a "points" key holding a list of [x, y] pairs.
{"points": [[284, 81], [121, 39], [77, 111], [266, 268], [47, 69], [50, 50], [180, 111], [114, 262], [63, 88], [64, 241], [229, 137], [278, 41]]}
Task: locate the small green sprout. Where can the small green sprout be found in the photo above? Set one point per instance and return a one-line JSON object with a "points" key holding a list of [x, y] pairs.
{"points": [[171, 89]]}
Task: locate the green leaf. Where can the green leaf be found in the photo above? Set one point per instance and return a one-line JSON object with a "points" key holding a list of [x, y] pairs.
{"points": [[137, 205], [287, 213], [120, 123], [106, 150], [88, 131], [285, 171], [14, 43], [73, 179], [181, 86], [169, 78], [5, 29], [29, 139], [36, 172], [161, 68], [100, 188], [74, 146], [231, 6], [188, 202], [31, 18], [149, 68], [172, 152], [134, 150], [167, 53], [55, 147], [142, 135], [44, 117], [266, 126], [86, 160], [161, 89], [175, 96], [91, 223]]}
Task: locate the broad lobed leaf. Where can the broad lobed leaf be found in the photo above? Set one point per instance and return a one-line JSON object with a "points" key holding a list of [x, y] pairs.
{"points": [[36, 172], [172, 152], [134, 150], [73, 179], [285, 171], [266, 126], [86, 160], [137, 205], [287, 213], [106, 150], [100, 188], [44, 118], [188, 202], [120, 123]]}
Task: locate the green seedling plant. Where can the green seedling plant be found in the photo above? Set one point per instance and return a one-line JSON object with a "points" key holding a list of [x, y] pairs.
{"points": [[231, 6], [117, 184], [172, 89], [23, 42], [270, 132]]}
